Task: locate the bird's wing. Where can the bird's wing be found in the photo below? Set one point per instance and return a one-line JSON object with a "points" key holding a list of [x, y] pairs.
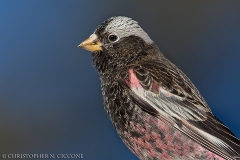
{"points": [[164, 91]]}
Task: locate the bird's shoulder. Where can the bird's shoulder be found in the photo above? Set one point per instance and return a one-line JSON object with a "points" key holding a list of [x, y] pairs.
{"points": [[160, 76]]}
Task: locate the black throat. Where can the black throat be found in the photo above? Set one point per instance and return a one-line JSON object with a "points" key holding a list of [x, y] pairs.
{"points": [[127, 51]]}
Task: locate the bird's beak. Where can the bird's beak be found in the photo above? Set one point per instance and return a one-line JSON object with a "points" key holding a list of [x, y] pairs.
{"points": [[91, 44]]}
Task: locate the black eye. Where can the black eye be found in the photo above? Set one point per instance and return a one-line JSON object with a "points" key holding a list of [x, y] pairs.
{"points": [[112, 37]]}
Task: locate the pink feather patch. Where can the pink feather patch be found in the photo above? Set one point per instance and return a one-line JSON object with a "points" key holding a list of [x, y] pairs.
{"points": [[133, 81]]}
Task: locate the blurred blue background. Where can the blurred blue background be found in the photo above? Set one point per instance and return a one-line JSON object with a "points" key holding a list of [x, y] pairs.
{"points": [[50, 96]]}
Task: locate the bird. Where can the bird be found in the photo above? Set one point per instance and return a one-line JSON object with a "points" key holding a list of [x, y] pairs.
{"points": [[154, 107]]}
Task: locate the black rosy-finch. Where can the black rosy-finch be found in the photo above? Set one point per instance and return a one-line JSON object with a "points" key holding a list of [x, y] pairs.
{"points": [[154, 107]]}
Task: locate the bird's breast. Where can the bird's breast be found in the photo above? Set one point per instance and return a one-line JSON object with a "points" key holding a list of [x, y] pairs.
{"points": [[147, 136]]}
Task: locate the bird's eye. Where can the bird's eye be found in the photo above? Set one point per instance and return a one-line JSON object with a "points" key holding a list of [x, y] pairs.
{"points": [[112, 38]]}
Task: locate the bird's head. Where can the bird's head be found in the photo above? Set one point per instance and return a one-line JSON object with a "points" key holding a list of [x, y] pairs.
{"points": [[116, 42]]}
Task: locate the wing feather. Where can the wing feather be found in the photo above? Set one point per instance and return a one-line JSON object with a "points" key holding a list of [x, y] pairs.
{"points": [[166, 92]]}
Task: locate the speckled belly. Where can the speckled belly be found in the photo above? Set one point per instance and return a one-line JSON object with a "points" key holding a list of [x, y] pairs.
{"points": [[152, 139]]}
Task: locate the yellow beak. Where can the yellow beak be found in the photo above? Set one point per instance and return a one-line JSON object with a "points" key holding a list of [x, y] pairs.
{"points": [[91, 44]]}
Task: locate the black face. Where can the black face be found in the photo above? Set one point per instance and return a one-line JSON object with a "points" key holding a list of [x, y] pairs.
{"points": [[116, 51]]}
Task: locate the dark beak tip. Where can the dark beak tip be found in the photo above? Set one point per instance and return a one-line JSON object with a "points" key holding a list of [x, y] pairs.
{"points": [[80, 45]]}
